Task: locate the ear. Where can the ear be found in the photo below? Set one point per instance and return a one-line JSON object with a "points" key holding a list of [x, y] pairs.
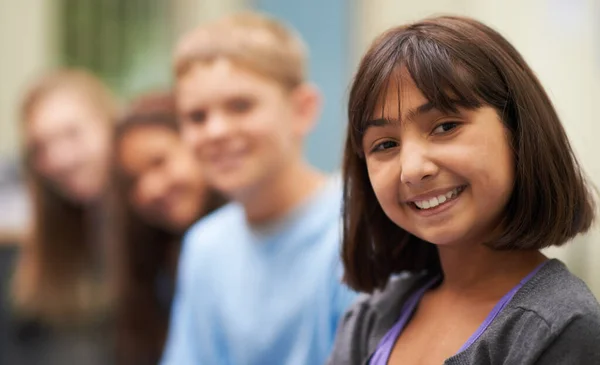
{"points": [[307, 103]]}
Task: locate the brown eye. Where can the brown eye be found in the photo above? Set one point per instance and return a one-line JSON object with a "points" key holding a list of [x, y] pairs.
{"points": [[385, 145], [158, 161], [197, 116], [445, 127], [240, 105]]}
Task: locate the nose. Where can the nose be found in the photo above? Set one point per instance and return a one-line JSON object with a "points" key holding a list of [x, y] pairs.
{"points": [[60, 158], [417, 167], [214, 128], [154, 188], [217, 126], [192, 135]]}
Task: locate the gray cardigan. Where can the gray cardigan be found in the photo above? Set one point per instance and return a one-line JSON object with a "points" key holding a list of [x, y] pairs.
{"points": [[553, 319]]}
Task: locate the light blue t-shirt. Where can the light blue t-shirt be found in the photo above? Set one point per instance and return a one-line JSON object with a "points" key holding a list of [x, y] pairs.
{"points": [[250, 295]]}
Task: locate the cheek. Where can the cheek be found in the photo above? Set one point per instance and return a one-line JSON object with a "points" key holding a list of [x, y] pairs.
{"points": [[496, 153], [141, 194], [94, 142], [502, 179], [494, 175], [41, 166], [46, 162], [192, 135], [264, 139], [272, 124], [261, 124], [138, 200], [184, 169], [185, 185], [385, 182], [196, 181], [190, 205]]}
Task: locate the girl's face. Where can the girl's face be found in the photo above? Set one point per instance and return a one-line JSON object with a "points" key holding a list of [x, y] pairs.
{"points": [[167, 187], [445, 178], [69, 139]]}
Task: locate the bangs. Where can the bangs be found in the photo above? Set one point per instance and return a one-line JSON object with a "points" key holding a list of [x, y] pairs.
{"points": [[445, 80], [457, 63]]}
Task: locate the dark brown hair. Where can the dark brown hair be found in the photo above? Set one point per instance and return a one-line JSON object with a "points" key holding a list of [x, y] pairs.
{"points": [[143, 253], [458, 61], [55, 278]]}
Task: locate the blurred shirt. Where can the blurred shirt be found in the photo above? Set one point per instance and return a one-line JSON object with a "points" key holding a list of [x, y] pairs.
{"points": [[265, 295]]}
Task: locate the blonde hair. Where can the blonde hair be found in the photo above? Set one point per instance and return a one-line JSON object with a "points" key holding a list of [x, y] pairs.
{"points": [[63, 79], [54, 280], [257, 42]]}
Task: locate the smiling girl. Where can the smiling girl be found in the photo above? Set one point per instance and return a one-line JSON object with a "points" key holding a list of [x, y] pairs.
{"points": [[160, 191], [457, 172]]}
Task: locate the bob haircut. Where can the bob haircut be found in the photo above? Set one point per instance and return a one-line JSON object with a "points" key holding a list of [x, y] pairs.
{"points": [[460, 62]]}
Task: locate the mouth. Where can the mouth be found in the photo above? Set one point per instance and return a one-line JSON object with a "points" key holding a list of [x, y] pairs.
{"points": [[437, 203], [227, 161]]}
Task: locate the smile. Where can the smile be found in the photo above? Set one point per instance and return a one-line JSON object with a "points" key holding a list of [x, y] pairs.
{"points": [[228, 158], [439, 200], [227, 162]]}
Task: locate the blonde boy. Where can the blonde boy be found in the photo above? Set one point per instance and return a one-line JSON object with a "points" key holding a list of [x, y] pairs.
{"points": [[259, 279]]}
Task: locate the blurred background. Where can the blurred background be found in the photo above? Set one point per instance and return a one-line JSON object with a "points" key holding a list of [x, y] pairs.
{"points": [[128, 43]]}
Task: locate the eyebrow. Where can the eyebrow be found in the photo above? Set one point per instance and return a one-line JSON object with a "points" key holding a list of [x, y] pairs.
{"points": [[411, 115]]}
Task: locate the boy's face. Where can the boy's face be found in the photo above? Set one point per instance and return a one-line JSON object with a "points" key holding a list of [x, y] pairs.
{"points": [[243, 127]]}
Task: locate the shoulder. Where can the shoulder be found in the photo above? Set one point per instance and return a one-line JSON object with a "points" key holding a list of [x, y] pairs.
{"points": [[370, 317], [317, 220], [557, 296], [205, 238], [576, 343], [567, 313], [214, 223], [327, 201], [215, 226], [552, 313]]}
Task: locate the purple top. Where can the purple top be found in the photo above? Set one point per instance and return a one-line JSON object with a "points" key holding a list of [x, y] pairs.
{"points": [[384, 349]]}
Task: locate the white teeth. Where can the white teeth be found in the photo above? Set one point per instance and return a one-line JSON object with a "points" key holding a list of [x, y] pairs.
{"points": [[434, 202]]}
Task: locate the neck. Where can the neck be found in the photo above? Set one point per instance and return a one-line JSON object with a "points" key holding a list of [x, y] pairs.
{"points": [[481, 270], [282, 193]]}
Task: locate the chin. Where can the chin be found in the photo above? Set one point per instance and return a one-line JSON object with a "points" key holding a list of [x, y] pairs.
{"points": [[183, 222], [79, 195], [441, 238], [229, 188], [235, 184], [176, 226]]}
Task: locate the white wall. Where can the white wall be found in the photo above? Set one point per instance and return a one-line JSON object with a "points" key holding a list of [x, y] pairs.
{"points": [[190, 13], [27, 44], [561, 41]]}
